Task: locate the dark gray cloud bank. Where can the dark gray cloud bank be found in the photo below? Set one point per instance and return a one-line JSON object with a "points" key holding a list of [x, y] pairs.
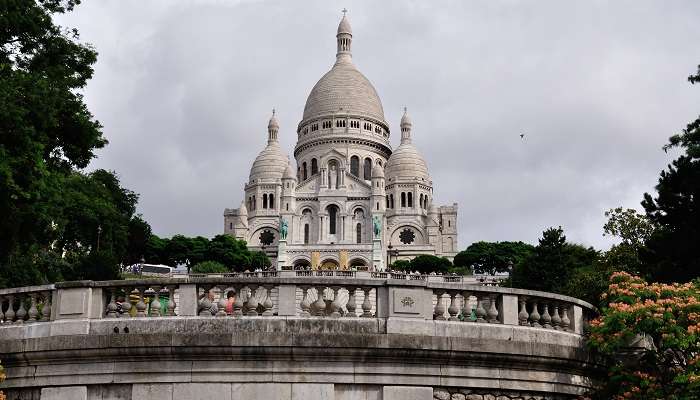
{"points": [[184, 90]]}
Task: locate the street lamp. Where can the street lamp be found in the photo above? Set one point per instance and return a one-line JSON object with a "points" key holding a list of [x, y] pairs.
{"points": [[510, 273], [143, 261]]}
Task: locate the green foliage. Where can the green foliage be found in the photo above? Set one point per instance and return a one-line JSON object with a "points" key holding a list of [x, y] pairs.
{"points": [[209, 267], [493, 257], [259, 260], [671, 251], [649, 337], [426, 264], [57, 222], [466, 271], [553, 263], [45, 127], [401, 265]]}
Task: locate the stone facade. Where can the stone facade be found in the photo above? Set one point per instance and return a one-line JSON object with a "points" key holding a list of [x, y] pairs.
{"points": [[352, 200], [480, 394]]}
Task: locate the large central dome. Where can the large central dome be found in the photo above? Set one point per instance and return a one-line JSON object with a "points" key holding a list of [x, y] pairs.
{"points": [[343, 89]]}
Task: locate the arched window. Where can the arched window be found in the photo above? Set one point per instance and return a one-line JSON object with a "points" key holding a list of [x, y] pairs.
{"points": [[314, 166], [410, 200], [368, 169], [271, 200], [420, 204], [255, 203], [387, 201], [403, 199], [391, 200], [377, 206], [306, 233], [230, 225], [298, 173], [355, 165], [332, 215], [264, 201], [358, 232], [303, 170]]}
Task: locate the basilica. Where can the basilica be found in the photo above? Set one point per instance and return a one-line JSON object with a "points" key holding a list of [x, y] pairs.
{"points": [[352, 201]]}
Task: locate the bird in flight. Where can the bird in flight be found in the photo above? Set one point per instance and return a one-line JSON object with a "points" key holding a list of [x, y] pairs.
{"points": [[522, 136]]}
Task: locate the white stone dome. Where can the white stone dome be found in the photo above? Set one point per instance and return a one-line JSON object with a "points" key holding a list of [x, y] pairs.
{"points": [[377, 171], [269, 164], [406, 163], [345, 90]]}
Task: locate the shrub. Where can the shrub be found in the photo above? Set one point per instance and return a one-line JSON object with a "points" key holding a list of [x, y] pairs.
{"points": [[209, 267]]}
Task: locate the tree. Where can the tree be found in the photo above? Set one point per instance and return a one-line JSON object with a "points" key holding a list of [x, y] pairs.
{"points": [[209, 267], [493, 257], [45, 128], [401, 265], [634, 230], [649, 337], [671, 251], [259, 260], [552, 264], [426, 264]]}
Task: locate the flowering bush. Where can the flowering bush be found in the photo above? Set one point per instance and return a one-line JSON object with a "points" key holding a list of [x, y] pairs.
{"points": [[2, 378], [649, 335]]}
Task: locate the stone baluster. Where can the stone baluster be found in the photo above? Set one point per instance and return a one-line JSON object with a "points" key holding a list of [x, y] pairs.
{"points": [[46, 307], [221, 308], [205, 303], [171, 300], [155, 310], [452, 309], [267, 304], [33, 311], [305, 304], [535, 315], [439, 312], [319, 305], [10, 314], [141, 305], [335, 304], [523, 314], [252, 304], [21, 314], [126, 305], [565, 322], [2, 315], [492, 311], [238, 303], [480, 310], [467, 311], [112, 305], [352, 303], [546, 318], [556, 319], [366, 304]]}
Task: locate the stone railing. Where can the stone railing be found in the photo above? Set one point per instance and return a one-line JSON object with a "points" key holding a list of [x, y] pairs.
{"points": [[27, 304], [321, 294]]}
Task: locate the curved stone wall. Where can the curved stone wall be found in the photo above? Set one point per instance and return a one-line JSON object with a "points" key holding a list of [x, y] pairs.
{"points": [[81, 351]]}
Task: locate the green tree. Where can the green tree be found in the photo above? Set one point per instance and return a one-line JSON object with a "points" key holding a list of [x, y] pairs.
{"points": [[177, 251], [426, 264], [209, 267], [633, 230], [401, 265], [45, 128], [671, 252], [552, 264], [493, 257], [259, 260]]}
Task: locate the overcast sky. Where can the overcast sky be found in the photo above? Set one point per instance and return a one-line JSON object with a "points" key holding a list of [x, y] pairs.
{"points": [[184, 90]]}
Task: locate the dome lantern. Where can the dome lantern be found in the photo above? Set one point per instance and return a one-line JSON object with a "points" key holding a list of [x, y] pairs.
{"points": [[273, 128], [344, 38], [406, 126]]}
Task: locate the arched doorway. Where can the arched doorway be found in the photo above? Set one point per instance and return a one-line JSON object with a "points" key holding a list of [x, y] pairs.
{"points": [[329, 264]]}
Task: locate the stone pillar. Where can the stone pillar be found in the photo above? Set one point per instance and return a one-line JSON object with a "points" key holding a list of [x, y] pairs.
{"points": [[282, 253], [377, 253], [187, 299], [286, 300], [64, 393], [508, 309]]}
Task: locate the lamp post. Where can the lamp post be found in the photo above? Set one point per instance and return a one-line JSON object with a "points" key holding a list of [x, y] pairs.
{"points": [[510, 273], [143, 261]]}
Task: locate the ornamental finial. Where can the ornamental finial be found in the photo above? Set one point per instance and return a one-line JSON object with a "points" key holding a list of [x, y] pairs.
{"points": [[344, 10]]}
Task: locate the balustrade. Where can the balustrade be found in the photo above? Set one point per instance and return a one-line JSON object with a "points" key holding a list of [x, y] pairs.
{"points": [[140, 300], [313, 294], [25, 307]]}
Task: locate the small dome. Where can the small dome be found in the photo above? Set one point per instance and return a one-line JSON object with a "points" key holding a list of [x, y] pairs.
{"points": [[377, 171], [344, 26], [269, 164], [242, 210], [288, 173], [406, 163]]}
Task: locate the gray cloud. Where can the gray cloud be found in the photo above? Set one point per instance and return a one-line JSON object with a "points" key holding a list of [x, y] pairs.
{"points": [[184, 91]]}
